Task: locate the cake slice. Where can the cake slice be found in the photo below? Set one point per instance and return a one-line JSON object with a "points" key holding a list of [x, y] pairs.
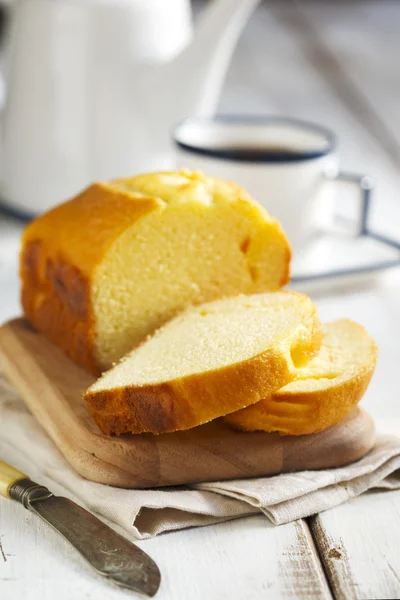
{"points": [[324, 392], [207, 362], [107, 268]]}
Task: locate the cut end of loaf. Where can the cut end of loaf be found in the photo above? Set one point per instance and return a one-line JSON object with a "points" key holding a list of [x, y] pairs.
{"points": [[207, 240]]}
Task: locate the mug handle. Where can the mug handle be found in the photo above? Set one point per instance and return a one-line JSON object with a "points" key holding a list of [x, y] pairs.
{"points": [[363, 185]]}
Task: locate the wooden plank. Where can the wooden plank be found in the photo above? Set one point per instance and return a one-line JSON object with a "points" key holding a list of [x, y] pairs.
{"points": [[287, 565], [247, 559], [359, 546]]}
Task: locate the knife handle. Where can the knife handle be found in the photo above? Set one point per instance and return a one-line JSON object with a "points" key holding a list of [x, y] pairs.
{"points": [[9, 476]]}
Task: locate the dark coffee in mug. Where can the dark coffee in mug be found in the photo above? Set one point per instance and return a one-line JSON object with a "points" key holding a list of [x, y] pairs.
{"points": [[267, 151]]}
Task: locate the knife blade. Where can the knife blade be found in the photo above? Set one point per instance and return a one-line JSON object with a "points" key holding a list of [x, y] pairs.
{"points": [[109, 553]]}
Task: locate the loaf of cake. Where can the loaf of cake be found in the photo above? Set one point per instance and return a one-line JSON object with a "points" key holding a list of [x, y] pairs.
{"points": [[207, 362], [169, 284], [324, 391], [104, 270]]}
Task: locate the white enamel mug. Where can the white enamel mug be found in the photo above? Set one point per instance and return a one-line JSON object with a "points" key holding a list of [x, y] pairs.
{"points": [[289, 166]]}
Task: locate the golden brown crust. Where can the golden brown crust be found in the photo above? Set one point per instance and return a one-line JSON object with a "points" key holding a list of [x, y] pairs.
{"points": [[58, 305], [288, 251], [60, 251], [189, 401], [286, 276], [298, 413], [285, 279]]}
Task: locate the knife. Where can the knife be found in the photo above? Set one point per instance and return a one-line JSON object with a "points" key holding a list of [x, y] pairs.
{"points": [[106, 551]]}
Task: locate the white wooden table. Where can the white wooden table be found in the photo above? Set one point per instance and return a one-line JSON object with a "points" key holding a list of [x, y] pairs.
{"points": [[335, 63]]}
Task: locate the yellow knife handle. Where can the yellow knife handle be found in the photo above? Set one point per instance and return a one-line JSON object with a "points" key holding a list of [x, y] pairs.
{"points": [[9, 476]]}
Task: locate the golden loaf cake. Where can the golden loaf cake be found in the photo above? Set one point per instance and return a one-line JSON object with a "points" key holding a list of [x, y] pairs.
{"points": [[105, 269], [209, 361], [324, 391]]}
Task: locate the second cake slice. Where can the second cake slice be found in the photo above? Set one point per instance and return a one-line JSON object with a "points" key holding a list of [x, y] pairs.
{"points": [[324, 392]]}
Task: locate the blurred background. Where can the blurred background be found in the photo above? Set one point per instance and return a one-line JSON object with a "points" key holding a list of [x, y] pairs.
{"points": [[333, 62]]}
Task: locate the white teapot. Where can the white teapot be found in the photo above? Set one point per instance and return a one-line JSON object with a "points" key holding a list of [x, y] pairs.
{"points": [[93, 88]]}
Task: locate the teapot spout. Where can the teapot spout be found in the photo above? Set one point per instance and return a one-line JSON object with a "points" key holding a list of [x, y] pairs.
{"points": [[192, 82]]}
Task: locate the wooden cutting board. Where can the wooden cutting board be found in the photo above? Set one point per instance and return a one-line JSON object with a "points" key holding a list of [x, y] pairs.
{"points": [[51, 386]]}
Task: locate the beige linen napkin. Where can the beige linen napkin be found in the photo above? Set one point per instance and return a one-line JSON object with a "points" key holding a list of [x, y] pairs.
{"points": [[146, 513]]}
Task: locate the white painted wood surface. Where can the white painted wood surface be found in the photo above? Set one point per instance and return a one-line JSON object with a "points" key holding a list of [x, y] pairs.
{"points": [[307, 59], [245, 559], [359, 543]]}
